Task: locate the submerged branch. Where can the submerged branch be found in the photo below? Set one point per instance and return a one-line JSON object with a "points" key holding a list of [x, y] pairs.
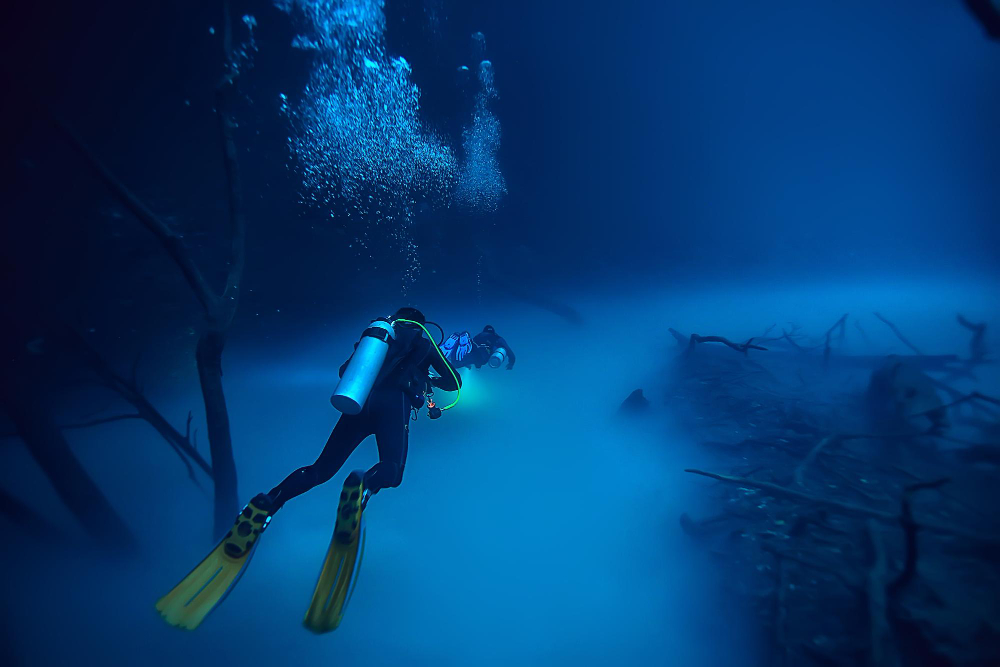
{"points": [[857, 325], [237, 220], [899, 334], [974, 396], [791, 342], [811, 456], [779, 491], [826, 345], [910, 528], [144, 408], [977, 346], [881, 647], [832, 569], [781, 610], [739, 347], [172, 243], [103, 420]]}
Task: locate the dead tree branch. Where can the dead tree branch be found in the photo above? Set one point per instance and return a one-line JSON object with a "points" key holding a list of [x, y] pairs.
{"points": [[832, 569], [781, 611], [98, 422], [977, 346], [767, 331], [833, 440], [779, 491], [790, 341], [219, 310], [899, 334], [910, 528], [829, 332], [857, 325], [811, 456], [171, 242], [144, 409], [881, 649], [974, 396], [739, 347], [237, 221], [678, 336]]}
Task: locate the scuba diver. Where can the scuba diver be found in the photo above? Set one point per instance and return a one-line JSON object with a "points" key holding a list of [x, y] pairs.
{"points": [[487, 347], [386, 378]]}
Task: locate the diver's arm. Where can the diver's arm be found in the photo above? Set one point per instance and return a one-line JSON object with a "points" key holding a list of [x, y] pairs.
{"points": [[438, 383], [448, 375]]}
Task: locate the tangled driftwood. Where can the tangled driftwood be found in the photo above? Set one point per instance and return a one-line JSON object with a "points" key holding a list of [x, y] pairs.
{"points": [[826, 508]]}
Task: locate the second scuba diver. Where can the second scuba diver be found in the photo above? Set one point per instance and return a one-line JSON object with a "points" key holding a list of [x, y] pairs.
{"points": [[486, 347], [385, 379]]}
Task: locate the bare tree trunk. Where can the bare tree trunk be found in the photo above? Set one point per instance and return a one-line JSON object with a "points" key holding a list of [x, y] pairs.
{"points": [[26, 407], [219, 309], [988, 15], [209, 358], [30, 522], [130, 390]]}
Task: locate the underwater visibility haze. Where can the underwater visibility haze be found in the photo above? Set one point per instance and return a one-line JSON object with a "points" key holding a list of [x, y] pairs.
{"points": [[652, 333]]}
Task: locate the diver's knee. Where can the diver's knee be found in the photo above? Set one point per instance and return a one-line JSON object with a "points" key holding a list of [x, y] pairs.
{"points": [[383, 475], [312, 475]]}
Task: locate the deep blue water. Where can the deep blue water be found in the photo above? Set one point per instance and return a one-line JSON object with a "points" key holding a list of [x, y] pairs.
{"points": [[709, 167]]}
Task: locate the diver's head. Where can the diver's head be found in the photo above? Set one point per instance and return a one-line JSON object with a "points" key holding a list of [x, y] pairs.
{"points": [[489, 329], [407, 313]]}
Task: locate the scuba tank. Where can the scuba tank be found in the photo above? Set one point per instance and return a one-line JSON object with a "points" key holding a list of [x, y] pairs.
{"points": [[359, 376], [498, 357]]}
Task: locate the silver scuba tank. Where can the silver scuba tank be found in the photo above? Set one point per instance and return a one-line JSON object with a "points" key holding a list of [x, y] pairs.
{"points": [[359, 376], [498, 357]]}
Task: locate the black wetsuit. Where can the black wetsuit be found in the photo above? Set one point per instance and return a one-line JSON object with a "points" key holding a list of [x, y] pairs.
{"points": [[399, 386], [486, 343]]}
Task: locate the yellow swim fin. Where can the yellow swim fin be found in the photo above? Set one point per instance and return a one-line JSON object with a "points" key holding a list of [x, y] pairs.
{"points": [[207, 585], [343, 561]]}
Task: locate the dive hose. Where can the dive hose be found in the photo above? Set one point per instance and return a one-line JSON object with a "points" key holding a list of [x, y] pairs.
{"points": [[458, 391], [440, 328]]}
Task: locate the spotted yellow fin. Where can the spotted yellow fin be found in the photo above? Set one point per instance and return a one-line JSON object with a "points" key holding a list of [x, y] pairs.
{"points": [[208, 584], [339, 573]]}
